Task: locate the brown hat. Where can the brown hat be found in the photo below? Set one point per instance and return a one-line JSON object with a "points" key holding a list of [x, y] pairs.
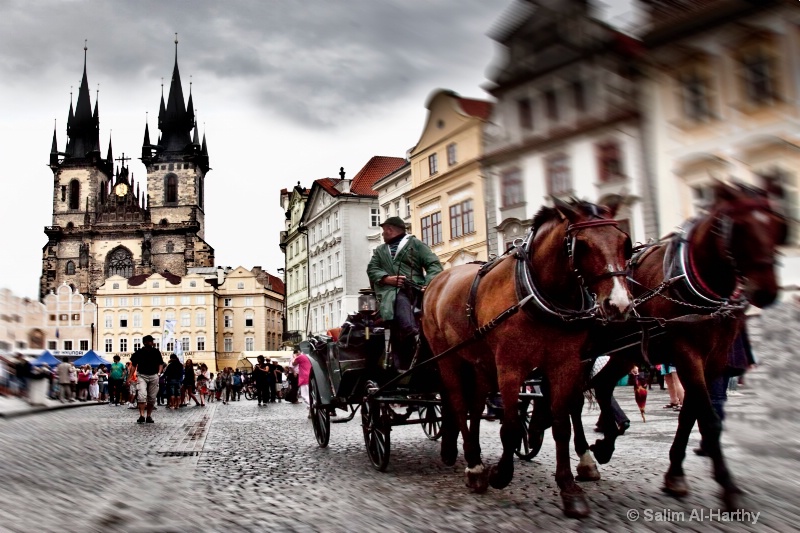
{"points": [[397, 222]]}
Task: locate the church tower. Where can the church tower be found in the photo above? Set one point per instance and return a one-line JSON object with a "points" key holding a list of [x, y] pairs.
{"points": [[104, 224], [176, 170]]}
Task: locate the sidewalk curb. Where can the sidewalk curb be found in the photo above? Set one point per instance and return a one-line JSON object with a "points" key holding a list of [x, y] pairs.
{"points": [[43, 409]]}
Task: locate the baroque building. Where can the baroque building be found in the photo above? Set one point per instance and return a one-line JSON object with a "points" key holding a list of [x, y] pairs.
{"points": [[447, 186], [294, 245], [722, 91], [340, 216], [104, 223], [566, 122]]}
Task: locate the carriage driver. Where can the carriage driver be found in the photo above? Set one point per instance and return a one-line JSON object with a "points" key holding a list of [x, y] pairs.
{"points": [[401, 259]]}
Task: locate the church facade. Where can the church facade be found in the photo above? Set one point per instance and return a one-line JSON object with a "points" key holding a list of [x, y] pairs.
{"points": [[104, 224]]}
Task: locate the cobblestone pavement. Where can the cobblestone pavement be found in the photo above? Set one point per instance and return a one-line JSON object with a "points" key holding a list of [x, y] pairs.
{"points": [[241, 467]]}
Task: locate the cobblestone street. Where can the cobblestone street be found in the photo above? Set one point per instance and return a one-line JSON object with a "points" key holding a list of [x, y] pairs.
{"points": [[241, 467]]}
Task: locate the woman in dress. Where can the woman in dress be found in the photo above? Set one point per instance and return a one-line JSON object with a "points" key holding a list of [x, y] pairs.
{"points": [[188, 384]]}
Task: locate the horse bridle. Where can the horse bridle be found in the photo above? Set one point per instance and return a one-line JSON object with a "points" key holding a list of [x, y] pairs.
{"points": [[570, 239], [723, 228]]}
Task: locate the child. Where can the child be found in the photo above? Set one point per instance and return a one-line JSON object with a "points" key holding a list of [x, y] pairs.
{"points": [[211, 384]]}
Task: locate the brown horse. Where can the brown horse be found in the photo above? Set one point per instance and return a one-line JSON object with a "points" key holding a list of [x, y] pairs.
{"points": [[697, 283], [568, 271]]}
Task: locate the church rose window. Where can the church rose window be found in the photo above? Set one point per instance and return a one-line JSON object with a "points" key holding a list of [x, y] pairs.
{"points": [[119, 263]]}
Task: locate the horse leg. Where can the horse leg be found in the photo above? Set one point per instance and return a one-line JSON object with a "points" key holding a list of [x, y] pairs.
{"points": [[564, 394], [476, 400], [500, 475], [449, 433], [587, 468], [604, 383], [675, 482], [458, 378]]}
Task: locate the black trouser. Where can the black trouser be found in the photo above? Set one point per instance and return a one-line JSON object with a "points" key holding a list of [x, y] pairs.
{"points": [[115, 391], [403, 330], [271, 388], [619, 415], [261, 392]]}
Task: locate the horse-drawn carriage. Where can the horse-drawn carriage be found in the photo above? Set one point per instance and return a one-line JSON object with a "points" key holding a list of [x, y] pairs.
{"points": [[538, 306], [351, 372]]}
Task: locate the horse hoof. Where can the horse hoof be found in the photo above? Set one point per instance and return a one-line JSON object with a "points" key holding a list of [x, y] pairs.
{"points": [[602, 451], [498, 479], [588, 473], [575, 505], [676, 485], [477, 479], [449, 456]]}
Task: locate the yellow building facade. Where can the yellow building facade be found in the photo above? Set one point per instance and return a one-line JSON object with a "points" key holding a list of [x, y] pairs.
{"points": [[447, 188]]}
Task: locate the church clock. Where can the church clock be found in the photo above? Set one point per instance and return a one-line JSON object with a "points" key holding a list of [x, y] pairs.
{"points": [[121, 189]]}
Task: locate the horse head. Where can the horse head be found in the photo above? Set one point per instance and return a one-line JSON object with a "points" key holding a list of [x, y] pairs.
{"points": [[597, 252], [749, 232]]}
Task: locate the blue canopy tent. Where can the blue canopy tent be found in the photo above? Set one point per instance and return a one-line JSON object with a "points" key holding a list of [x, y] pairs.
{"points": [[92, 359], [46, 359]]}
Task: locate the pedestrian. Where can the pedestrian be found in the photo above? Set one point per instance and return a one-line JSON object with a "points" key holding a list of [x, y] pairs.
{"points": [[227, 377], [278, 379], [73, 381], [64, 389], [220, 385], [303, 364], [271, 381], [173, 376], [401, 259], [94, 386], [237, 383], [260, 374], [22, 371], [212, 387], [115, 381], [102, 381], [291, 386], [161, 399], [202, 383], [189, 380], [84, 377], [147, 363], [674, 387], [131, 386]]}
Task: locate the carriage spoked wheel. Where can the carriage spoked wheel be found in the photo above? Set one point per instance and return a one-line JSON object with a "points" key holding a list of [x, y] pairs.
{"points": [[431, 416], [376, 426], [532, 438], [320, 418]]}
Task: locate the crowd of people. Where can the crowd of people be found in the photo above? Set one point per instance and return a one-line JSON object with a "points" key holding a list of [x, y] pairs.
{"points": [[176, 384]]}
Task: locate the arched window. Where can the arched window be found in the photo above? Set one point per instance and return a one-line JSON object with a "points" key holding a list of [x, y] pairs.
{"points": [[74, 194], [70, 270], [119, 263], [170, 247], [170, 189]]}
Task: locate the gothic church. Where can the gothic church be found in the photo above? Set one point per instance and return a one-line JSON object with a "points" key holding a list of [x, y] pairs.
{"points": [[104, 224]]}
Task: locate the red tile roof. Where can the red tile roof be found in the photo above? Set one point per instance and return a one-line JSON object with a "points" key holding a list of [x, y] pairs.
{"points": [[476, 108], [329, 185], [277, 284], [376, 168]]}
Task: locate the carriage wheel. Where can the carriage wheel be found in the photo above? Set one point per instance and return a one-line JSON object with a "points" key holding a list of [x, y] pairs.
{"points": [[532, 437], [320, 418], [431, 416], [375, 423]]}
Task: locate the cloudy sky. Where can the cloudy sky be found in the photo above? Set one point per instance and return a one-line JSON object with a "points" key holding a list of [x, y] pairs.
{"points": [[285, 90]]}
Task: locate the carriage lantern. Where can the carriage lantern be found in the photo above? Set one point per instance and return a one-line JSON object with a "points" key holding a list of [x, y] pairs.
{"points": [[367, 303]]}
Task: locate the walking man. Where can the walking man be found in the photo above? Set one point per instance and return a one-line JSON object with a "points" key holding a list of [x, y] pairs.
{"points": [[64, 389], [148, 364], [401, 259]]}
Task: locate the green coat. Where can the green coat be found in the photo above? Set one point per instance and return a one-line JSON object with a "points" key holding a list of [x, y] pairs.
{"points": [[415, 261]]}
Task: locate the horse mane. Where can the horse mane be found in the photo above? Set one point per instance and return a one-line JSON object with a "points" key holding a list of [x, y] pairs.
{"points": [[551, 214]]}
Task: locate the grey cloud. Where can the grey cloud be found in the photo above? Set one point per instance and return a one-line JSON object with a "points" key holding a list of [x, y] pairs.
{"points": [[289, 56]]}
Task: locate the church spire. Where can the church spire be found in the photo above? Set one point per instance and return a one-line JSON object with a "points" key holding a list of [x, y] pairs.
{"points": [[83, 125], [147, 152], [177, 124], [54, 149]]}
